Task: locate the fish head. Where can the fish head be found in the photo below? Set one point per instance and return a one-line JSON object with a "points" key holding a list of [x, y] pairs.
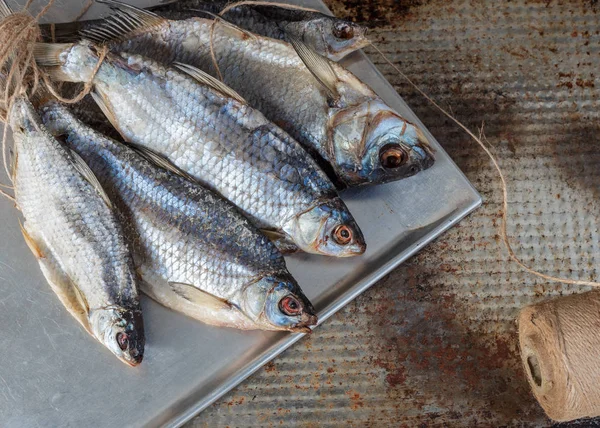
{"points": [[373, 145], [329, 36], [121, 330], [328, 229], [276, 302]]}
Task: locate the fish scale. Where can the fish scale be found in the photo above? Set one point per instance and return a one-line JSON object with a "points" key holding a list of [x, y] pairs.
{"points": [[208, 132], [335, 116], [76, 237], [182, 232]]}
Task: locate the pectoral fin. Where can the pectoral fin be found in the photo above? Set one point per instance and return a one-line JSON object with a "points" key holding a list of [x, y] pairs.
{"points": [[281, 241], [199, 297], [318, 65]]}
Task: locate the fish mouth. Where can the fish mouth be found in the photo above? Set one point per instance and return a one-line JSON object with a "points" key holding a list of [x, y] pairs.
{"points": [[136, 357], [357, 249], [304, 326], [133, 363], [428, 159]]}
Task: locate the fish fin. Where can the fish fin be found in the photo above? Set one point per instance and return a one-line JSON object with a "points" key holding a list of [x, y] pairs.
{"points": [[197, 296], [318, 65], [207, 79], [5, 9], [226, 23], [280, 240], [48, 54], [69, 295], [126, 21], [90, 177], [160, 160], [106, 111], [35, 249], [13, 165]]}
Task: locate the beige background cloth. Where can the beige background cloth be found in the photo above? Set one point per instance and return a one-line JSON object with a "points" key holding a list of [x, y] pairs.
{"points": [[435, 342]]}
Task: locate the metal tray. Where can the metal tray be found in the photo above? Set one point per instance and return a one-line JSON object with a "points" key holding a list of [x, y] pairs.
{"points": [[53, 374]]}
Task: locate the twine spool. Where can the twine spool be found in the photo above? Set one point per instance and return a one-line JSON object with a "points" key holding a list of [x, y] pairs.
{"points": [[560, 350]]}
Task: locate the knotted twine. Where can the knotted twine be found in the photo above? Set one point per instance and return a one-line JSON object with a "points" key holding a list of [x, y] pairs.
{"points": [[19, 72]]}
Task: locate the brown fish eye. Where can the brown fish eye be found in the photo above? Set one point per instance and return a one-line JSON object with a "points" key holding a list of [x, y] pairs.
{"points": [[392, 156], [290, 306], [122, 340], [342, 235], [343, 31]]}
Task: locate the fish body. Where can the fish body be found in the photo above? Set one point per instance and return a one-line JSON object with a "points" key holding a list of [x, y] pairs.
{"points": [[337, 118], [329, 36], [76, 237], [219, 140], [194, 251]]}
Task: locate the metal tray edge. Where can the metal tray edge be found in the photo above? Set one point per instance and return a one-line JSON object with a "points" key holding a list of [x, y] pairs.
{"points": [[347, 297]]}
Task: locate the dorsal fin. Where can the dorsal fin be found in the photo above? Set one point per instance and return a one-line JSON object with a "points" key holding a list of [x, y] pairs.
{"points": [[5, 9], [208, 80], [90, 177], [225, 22], [160, 160], [125, 22], [318, 65], [106, 111]]}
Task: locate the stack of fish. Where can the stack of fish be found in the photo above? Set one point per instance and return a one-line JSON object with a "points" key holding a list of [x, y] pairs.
{"points": [[236, 134]]}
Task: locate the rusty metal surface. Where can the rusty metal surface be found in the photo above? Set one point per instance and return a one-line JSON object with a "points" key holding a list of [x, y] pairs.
{"points": [[434, 343]]}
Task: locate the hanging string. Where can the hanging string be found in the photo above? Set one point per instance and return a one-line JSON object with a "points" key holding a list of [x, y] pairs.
{"points": [[503, 225]]}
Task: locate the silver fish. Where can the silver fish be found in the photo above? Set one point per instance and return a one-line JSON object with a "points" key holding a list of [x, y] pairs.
{"points": [[207, 130], [327, 35], [194, 251], [335, 116], [75, 235]]}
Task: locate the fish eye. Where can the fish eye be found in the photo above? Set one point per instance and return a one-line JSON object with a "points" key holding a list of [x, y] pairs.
{"points": [[122, 340], [342, 30], [290, 306], [392, 156], [342, 234]]}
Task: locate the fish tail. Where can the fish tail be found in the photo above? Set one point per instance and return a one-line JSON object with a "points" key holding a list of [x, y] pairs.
{"points": [[48, 56]]}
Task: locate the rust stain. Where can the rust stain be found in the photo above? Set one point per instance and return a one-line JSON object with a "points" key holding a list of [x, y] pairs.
{"points": [[434, 343], [355, 399]]}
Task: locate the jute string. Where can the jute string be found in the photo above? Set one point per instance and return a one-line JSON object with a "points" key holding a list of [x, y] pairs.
{"points": [[559, 341], [19, 30], [20, 73], [503, 224]]}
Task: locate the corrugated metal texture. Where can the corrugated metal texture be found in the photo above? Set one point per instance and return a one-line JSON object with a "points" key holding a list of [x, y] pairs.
{"points": [[434, 343]]}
